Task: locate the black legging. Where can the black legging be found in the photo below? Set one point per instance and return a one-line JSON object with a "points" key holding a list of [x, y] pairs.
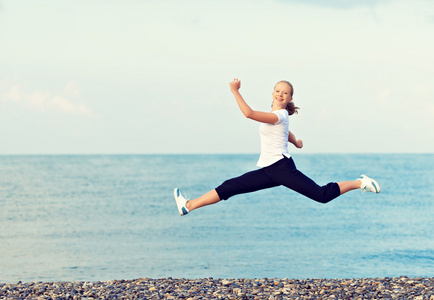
{"points": [[283, 172]]}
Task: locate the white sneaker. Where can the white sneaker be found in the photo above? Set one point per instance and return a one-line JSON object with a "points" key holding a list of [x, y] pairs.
{"points": [[181, 202], [369, 184]]}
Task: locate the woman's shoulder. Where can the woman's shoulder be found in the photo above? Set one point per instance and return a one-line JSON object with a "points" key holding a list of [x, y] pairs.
{"points": [[282, 114]]}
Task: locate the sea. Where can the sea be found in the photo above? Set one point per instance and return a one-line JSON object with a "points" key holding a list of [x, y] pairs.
{"points": [[105, 217]]}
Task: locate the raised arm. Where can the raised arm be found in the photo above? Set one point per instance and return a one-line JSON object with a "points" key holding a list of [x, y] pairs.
{"points": [[293, 140], [259, 116]]}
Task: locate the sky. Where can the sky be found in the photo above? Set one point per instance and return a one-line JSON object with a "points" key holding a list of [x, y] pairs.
{"points": [[149, 76]]}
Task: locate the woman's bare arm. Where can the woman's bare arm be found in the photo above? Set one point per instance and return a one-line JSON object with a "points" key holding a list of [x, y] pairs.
{"points": [[260, 116]]}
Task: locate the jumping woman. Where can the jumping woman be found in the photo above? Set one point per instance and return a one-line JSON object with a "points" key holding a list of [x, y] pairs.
{"points": [[276, 165]]}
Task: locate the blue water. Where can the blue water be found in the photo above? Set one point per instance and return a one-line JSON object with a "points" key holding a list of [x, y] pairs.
{"points": [[113, 217]]}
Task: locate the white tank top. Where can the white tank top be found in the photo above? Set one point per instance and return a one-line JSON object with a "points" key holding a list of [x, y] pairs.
{"points": [[274, 139]]}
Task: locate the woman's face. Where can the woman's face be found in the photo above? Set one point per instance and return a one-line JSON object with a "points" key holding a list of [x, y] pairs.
{"points": [[281, 95]]}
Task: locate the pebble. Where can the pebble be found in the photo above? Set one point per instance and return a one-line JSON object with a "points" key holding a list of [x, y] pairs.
{"points": [[418, 288]]}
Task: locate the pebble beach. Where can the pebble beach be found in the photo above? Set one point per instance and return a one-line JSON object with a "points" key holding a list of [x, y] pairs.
{"points": [[419, 288]]}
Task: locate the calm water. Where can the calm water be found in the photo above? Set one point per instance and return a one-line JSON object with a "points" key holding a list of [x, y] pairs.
{"points": [[114, 217]]}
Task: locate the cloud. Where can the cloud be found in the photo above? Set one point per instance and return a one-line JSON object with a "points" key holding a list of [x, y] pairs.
{"points": [[65, 105], [65, 102], [340, 4], [12, 94]]}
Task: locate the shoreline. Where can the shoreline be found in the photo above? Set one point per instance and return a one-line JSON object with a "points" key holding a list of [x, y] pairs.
{"points": [[403, 287]]}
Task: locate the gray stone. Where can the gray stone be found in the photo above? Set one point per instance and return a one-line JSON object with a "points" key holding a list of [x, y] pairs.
{"points": [[209, 288]]}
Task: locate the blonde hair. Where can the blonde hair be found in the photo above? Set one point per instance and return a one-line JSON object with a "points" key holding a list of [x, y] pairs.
{"points": [[290, 107]]}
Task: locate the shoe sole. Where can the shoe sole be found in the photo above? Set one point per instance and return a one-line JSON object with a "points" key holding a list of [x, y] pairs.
{"points": [[373, 183], [182, 211], [376, 186]]}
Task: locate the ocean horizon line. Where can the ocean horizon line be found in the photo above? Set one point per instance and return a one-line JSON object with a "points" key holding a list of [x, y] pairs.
{"points": [[210, 154]]}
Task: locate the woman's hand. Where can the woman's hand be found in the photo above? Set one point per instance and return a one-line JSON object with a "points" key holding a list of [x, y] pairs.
{"points": [[235, 85], [298, 144], [294, 141]]}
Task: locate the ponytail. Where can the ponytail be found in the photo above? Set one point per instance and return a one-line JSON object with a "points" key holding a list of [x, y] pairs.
{"points": [[291, 108]]}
